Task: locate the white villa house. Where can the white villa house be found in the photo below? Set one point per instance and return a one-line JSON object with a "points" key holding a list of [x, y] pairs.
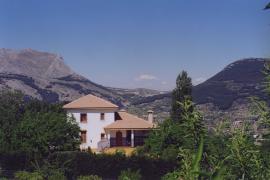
{"points": [[103, 125]]}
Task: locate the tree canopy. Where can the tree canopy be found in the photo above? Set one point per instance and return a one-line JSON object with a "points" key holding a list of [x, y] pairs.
{"points": [[34, 127]]}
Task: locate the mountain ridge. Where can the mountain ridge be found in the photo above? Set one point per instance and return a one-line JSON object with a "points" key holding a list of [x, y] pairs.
{"points": [[45, 76]]}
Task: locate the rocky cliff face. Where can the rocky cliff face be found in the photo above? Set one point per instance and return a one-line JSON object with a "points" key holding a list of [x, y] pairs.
{"points": [[33, 63]]}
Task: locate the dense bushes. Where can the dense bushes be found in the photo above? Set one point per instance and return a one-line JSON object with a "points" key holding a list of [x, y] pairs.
{"points": [[130, 175], [14, 161], [109, 166], [75, 164], [90, 177], [36, 175], [23, 175]]}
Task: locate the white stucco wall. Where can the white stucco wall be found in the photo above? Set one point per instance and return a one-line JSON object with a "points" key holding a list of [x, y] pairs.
{"points": [[94, 126]]}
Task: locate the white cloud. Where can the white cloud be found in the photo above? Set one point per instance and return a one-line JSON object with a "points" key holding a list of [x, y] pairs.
{"points": [[146, 77], [163, 82], [199, 80]]}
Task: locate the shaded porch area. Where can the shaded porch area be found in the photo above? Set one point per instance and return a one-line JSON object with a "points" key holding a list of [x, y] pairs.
{"points": [[127, 130], [129, 138]]}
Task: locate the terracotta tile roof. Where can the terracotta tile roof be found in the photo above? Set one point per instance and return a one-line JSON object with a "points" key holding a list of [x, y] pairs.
{"points": [[89, 102], [129, 121]]}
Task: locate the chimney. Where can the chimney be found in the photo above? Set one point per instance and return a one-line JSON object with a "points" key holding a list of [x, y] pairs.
{"points": [[150, 116]]}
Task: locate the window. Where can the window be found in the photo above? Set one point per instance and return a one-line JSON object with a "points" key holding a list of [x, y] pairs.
{"points": [[102, 116], [83, 136], [102, 135], [84, 118]]}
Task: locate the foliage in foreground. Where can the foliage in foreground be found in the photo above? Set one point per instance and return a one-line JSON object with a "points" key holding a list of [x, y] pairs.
{"points": [[241, 159], [41, 174], [190, 165], [23, 175], [109, 165], [130, 175], [90, 177], [75, 164], [170, 136]]}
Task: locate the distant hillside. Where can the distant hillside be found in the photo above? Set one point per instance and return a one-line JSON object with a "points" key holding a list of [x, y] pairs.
{"points": [[238, 80], [225, 93]]}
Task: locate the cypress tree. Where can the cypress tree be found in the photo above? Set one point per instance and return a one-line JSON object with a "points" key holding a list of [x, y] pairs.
{"points": [[182, 92]]}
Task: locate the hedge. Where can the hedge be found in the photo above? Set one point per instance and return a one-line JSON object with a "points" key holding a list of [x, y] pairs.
{"points": [[110, 166], [15, 161]]}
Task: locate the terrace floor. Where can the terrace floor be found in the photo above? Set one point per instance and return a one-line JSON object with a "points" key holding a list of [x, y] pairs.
{"points": [[128, 150]]}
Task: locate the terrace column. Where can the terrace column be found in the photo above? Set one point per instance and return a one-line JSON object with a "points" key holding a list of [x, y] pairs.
{"points": [[109, 138], [132, 138]]}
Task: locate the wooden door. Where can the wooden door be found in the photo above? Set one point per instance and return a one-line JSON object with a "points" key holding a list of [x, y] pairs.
{"points": [[119, 138]]}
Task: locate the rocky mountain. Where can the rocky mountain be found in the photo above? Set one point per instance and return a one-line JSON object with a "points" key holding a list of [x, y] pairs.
{"points": [[45, 76], [33, 63]]}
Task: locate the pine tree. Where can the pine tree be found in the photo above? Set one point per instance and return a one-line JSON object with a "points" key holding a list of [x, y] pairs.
{"points": [[182, 92]]}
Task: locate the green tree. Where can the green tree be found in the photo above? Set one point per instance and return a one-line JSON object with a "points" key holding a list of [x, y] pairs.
{"points": [[11, 113], [182, 91], [34, 127], [170, 136], [47, 132]]}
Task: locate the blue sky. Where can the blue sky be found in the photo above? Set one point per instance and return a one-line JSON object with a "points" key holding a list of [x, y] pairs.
{"points": [[139, 43]]}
